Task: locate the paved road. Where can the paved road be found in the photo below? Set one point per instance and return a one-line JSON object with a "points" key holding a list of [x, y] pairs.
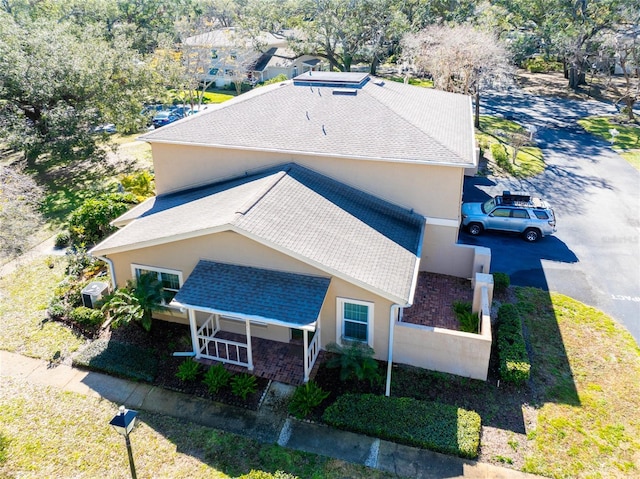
{"points": [[595, 255]]}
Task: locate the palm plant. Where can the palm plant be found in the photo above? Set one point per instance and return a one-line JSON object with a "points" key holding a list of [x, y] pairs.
{"points": [[137, 301]]}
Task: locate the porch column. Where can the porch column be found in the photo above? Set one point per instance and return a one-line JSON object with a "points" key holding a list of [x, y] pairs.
{"points": [[249, 353], [194, 332], [305, 353]]}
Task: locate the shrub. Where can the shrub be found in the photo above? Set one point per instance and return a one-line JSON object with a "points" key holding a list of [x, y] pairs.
{"points": [[216, 378], [62, 239], [512, 352], [540, 65], [253, 474], [306, 398], [438, 427], [57, 308], [89, 223], [469, 322], [188, 371], [499, 153], [140, 184], [118, 359], [501, 281], [86, 316], [243, 384], [355, 362]]}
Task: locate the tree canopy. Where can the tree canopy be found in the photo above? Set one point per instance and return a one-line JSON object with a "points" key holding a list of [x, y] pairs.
{"points": [[460, 59]]}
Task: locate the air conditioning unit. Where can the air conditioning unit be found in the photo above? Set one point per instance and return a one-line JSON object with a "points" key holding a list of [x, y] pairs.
{"points": [[92, 292]]}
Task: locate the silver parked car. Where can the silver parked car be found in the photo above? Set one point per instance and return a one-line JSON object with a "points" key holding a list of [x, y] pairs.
{"points": [[519, 213]]}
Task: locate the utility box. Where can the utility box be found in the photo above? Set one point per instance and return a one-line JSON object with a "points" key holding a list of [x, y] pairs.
{"points": [[92, 292]]}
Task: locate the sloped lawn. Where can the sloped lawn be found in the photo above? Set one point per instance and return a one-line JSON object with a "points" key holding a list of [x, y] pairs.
{"points": [[24, 297]]}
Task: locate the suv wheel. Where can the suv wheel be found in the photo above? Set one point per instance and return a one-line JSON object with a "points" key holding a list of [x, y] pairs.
{"points": [[531, 235], [475, 229]]}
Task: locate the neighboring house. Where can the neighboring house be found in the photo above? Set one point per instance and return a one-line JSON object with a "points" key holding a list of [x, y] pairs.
{"points": [[303, 209], [261, 58]]}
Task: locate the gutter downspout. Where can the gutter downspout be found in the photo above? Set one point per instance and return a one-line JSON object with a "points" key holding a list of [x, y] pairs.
{"points": [[392, 320], [112, 271], [396, 307]]}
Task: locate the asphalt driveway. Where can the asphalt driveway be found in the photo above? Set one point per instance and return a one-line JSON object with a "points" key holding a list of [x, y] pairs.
{"points": [[595, 254]]}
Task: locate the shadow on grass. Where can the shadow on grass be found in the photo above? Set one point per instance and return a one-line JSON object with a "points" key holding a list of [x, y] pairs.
{"points": [[69, 182], [232, 454]]}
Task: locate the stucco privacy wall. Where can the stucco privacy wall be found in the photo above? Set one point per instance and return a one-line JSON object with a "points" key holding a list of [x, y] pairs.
{"points": [[234, 248], [430, 190], [455, 352]]}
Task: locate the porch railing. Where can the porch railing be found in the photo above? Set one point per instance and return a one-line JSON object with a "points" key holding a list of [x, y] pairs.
{"points": [[312, 354], [222, 350]]}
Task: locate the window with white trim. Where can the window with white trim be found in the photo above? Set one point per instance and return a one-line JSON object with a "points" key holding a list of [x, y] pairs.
{"points": [[355, 321], [171, 280]]}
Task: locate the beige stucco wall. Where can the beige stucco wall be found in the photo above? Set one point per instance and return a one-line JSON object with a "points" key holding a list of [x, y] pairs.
{"points": [[430, 190], [443, 350], [231, 247]]}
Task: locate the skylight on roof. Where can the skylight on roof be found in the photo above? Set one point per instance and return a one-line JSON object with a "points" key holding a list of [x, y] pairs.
{"points": [[332, 79]]}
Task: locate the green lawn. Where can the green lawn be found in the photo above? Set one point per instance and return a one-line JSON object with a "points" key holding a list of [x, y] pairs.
{"points": [[586, 370], [25, 296], [422, 82], [493, 129], [48, 433], [627, 142]]}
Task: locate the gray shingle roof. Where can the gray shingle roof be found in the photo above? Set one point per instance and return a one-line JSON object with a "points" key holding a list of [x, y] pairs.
{"points": [[334, 227], [274, 296], [385, 120]]}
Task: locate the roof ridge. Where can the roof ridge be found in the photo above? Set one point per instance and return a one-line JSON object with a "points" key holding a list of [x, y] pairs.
{"points": [[255, 199], [400, 114]]}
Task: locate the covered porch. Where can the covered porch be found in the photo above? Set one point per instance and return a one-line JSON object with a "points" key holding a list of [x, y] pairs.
{"points": [[275, 360], [285, 306]]}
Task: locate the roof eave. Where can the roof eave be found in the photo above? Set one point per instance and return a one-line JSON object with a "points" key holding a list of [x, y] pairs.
{"points": [[235, 315], [466, 164]]}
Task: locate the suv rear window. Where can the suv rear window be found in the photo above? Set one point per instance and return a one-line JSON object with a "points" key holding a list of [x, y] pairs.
{"points": [[519, 214], [541, 215]]}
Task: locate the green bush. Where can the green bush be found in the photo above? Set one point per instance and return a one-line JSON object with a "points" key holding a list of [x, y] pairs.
{"points": [[430, 425], [216, 378], [188, 370], [57, 308], [62, 239], [469, 322], [253, 474], [90, 223], [139, 184], [118, 359], [86, 316], [499, 153], [306, 398], [540, 65], [512, 352], [243, 384], [501, 281], [355, 361]]}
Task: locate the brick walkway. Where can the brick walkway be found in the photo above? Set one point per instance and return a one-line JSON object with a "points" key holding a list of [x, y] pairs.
{"points": [[434, 298]]}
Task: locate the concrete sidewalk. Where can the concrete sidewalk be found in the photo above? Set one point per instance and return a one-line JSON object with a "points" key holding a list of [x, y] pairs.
{"points": [[269, 425]]}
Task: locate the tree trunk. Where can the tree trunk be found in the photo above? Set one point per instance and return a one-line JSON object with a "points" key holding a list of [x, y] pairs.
{"points": [[629, 101], [476, 121]]}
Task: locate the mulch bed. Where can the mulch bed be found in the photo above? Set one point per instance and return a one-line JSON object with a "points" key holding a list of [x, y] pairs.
{"points": [[164, 339]]}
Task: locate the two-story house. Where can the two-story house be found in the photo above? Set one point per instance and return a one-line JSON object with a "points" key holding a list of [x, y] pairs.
{"points": [[303, 210]]}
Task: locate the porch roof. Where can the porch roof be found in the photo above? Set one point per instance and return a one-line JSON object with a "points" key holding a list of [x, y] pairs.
{"points": [[273, 297]]}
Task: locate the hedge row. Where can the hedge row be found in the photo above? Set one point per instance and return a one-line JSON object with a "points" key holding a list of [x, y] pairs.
{"points": [[512, 352], [438, 427], [118, 359]]}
